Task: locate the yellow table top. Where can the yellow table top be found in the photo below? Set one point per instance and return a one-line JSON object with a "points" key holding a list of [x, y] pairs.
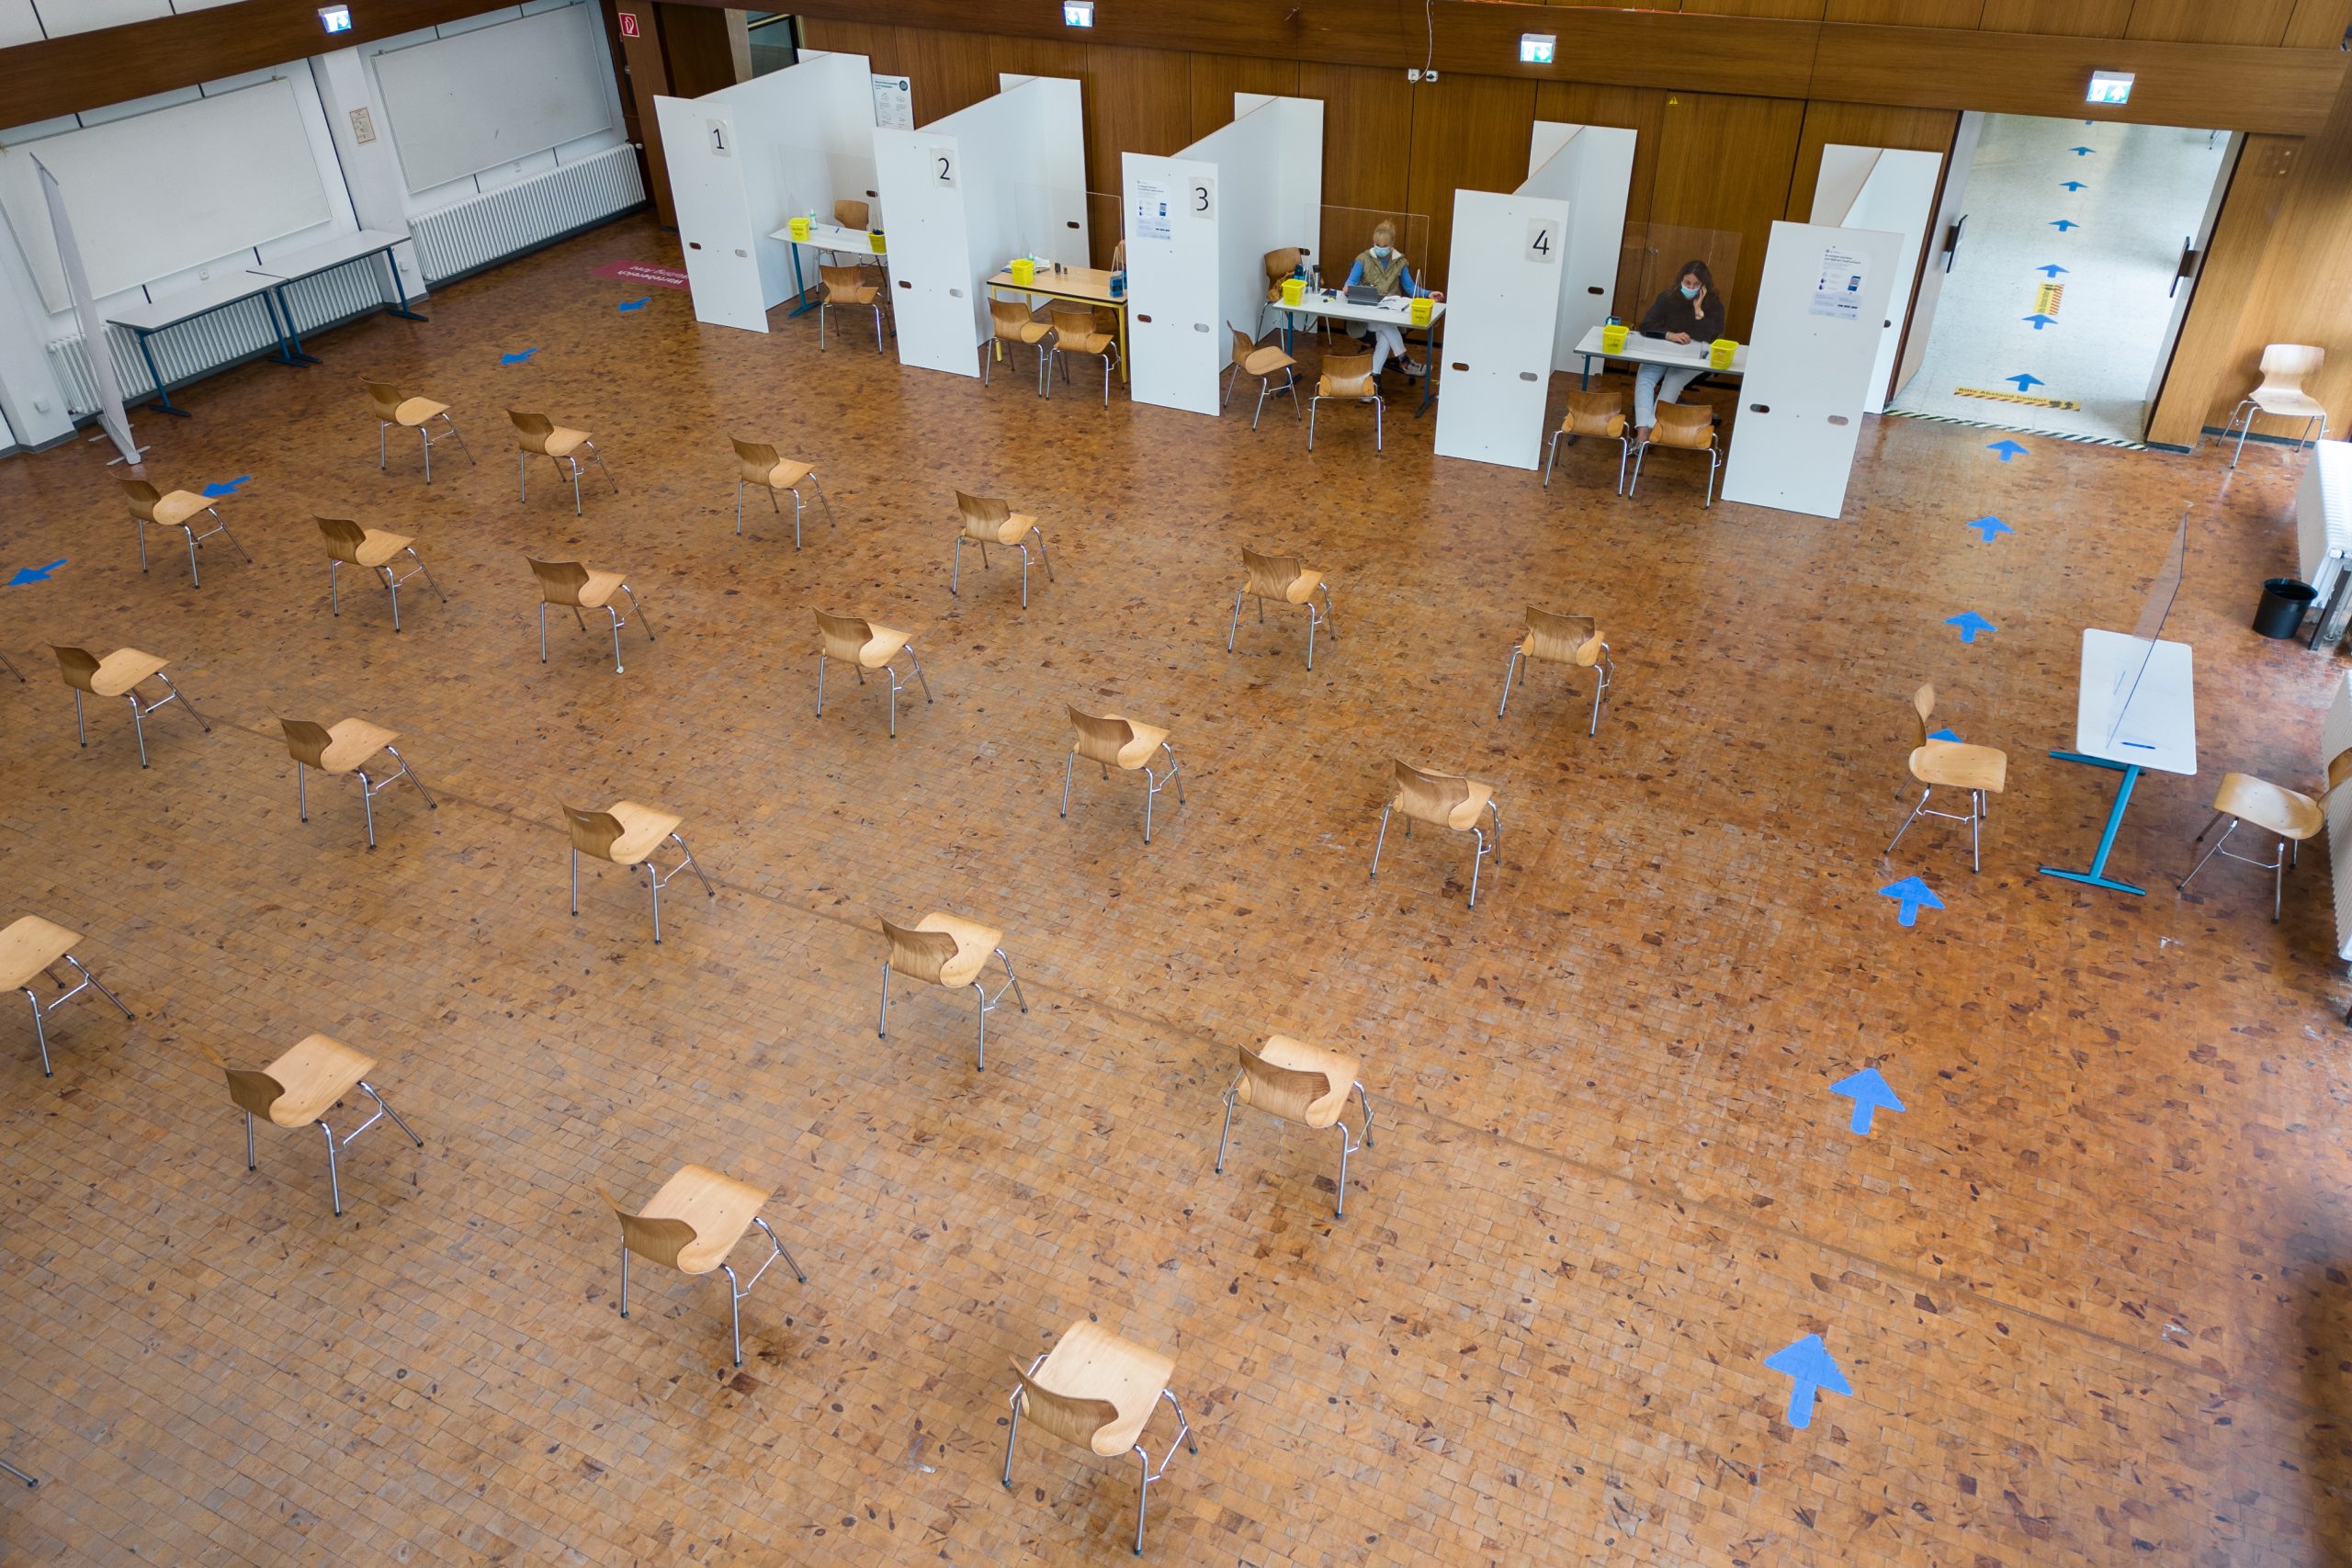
{"points": [[1089, 282]]}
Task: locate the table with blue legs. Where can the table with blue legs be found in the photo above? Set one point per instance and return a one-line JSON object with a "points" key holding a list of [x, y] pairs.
{"points": [[1397, 312], [832, 238], [341, 251], [2136, 709], [148, 319]]}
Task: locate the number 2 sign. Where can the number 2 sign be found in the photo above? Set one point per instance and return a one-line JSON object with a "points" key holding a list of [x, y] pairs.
{"points": [[942, 166]]}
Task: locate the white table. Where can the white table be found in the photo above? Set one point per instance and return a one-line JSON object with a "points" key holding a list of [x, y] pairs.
{"points": [[1395, 311], [858, 243], [327, 255], [218, 293], [1640, 350], [2159, 727]]}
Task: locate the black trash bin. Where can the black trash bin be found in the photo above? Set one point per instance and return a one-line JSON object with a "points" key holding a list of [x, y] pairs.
{"points": [[2284, 601]]}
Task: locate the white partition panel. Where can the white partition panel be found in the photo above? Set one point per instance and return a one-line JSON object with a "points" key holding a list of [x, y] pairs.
{"points": [[1501, 316], [1173, 284], [1818, 315], [713, 224], [1590, 167], [932, 287], [1883, 188]]}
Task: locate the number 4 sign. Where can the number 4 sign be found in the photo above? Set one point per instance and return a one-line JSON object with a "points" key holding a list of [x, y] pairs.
{"points": [[1542, 240]]}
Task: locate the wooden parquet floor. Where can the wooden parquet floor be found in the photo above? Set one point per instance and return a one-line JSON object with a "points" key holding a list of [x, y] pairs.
{"points": [[2088, 1286]]}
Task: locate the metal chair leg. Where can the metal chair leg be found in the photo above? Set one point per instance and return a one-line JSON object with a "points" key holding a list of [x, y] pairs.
{"points": [[1380, 841], [2208, 854], [334, 1178], [1226, 1137], [882, 1022], [1066, 770], [1510, 670]]}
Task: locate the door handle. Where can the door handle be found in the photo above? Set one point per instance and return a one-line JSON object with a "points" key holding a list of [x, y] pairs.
{"points": [[1951, 239], [2190, 256]]}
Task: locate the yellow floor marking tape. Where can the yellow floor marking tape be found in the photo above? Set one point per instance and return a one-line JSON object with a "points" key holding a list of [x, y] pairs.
{"points": [[2015, 398], [2046, 298]]}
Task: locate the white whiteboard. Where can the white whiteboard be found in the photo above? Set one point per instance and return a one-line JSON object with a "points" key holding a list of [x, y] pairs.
{"points": [[461, 104], [168, 190]]}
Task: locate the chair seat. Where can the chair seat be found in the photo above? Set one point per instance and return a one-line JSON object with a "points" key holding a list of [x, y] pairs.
{"points": [[860, 294], [1363, 388], [29, 945], [1463, 817], [351, 743], [1016, 528], [1610, 427], [561, 442], [2280, 811], [2291, 405], [1137, 752], [377, 547], [974, 943], [1083, 343], [1266, 361], [1584, 654], [599, 588], [719, 1208], [1027, 331], [314, 1075], [121, 669], [786, 474], [416, 410], [1298, 1056], [1304, 586], [882, 647], [174, 508], [642, 831], [1092, 1362], [1957, 765]]}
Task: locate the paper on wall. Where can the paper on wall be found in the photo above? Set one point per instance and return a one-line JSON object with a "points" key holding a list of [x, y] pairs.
{"points": [[1151, 221], [894, 103], [1838, 291]]}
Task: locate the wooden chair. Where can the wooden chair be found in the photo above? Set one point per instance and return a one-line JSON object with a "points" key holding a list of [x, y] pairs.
{"points": [[1979, 770], [574, 584], [372, 549], [1096, 1391], [1076, 331], [1444, 800], [2286, 814], [1348, 379], [866, 646], [1572, 640], [299, 1090], [1280, 264], [394, 407], [1252, 360], [627, 834], [1011, 326], [172, 510], [990, 521], [119, 675], [757, 463], [1690, 427], [1283, 580], [854, 215], [1600, 414], [2285, 367], [850, 287], [946, 950], [535, 433], [691, 1224], [1305, 1084], [1116, 742], [346, 747], [33, 946]]}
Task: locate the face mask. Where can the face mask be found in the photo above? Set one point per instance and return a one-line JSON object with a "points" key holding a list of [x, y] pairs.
{"points": [[1689, 291], [1382, 251]]}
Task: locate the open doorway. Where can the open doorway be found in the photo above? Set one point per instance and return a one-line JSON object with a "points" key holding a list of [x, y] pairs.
{"points": [[2063, 263]]}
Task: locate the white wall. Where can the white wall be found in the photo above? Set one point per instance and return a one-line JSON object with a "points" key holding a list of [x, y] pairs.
{"points": [[1882, 188], [1590, 167]]}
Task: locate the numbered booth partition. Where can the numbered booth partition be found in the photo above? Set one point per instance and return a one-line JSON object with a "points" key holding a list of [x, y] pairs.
{"points": [[747, 159], [1199, 226], [967, 195], [1590, 167], [1891, 190], [1502, 311]]}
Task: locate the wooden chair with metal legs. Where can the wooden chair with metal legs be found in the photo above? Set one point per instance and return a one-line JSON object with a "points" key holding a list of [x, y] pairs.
{"points": [[691, 1224], [1448, 801], [536, 433], [1010, 326], [1098, 1392], [1283, 580], [574, 585], [1305, 1084], [851, 214], [32, 946], [627, 834], [2286, 814], [301, 1088], [2285, 367], [1598, 415], [372, 549], [1349, 379], [172, 509], [1077, 331], [847, 288], [758, 464], [948, 950], [1116, 742], [1689, 427], [1280, 264], [990, 521], [863, 645], [119, 674], [1572, 641], [1249, 359], [1980, 771], [347, 747], [395, 407]]}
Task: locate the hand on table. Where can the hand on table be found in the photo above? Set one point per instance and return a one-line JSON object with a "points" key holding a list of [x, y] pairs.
{"points": [[1678, 337]]}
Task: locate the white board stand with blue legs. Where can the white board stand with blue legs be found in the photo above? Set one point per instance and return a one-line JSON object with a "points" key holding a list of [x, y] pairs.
{"points": [[1501, 312], [1889, 188], [1590, 167]]}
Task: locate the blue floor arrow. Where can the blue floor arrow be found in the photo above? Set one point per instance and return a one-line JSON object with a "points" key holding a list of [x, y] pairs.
{"points": [[2040, 320], [1914, 896], [1807, 1362], [1868, 1092], [637, 304], [2081, 151], [2026, 383], [213, 492], [1945, 734], [2064, 224], [35, 573], [518, 359], [2074, 185], [2007, 448], [2050, 269], [1970, 623], [1990, 526]]}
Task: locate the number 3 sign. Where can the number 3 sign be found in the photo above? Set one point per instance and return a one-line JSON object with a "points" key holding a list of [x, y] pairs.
{"points": [[1200, 197]]}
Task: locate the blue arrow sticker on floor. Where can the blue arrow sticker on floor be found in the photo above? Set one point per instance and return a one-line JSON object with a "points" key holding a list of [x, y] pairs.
{"points": [[2007, 448], [1970, 623], [213, 492], [1868, 1092], [637, 304], [2081, 152], [2074, 185], [2040, 320], [518, 359], [1914, 896], [1990, 526], [2064, 224], [1808, 1363], [1946, 734], [2050, 269], [2026, 383], [35, 573]]}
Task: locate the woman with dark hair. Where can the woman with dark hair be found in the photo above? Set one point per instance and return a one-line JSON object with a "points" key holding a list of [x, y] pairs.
{"points": [[1691, 311]]}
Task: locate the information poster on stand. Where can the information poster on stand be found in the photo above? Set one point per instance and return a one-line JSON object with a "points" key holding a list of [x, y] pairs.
{"points": [[894, 103], [1837, 292], [1151, 213]]}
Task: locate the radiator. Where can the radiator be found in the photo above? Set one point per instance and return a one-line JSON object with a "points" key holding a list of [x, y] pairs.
{"points": [[530, 212]]}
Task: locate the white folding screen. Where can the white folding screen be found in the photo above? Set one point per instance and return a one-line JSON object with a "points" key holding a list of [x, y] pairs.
{"points": [[1883, 188], [1590, 167], [1501, 316], [706, 163], [1818, 327]]}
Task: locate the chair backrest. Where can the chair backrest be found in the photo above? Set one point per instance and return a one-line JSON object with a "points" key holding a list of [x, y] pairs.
{"points": [[921, 954], [1242, 347], [1923, 700], [142, 497], [593, 833], [983, 516], [1430, 797], [1075, 325], [531, 430], [1285, 1092], [2339, 767], [656, 1241], [343, 537], [853, 214], [254, 1090], [1564, 639], [1269, 576], [1074, 1421], [1119, 256], [78, 665], [843, 282], [845, 635], [1595, 413], [560, 580], [1692, 425], [306, 740], [1348, 375], [1008, 317], [759, 459], [1283, 263], [385, 399], [1100, 739], [2284, 366]]}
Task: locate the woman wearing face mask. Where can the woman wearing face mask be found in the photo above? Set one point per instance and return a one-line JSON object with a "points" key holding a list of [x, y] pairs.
{"points": [[1384, 268], [1688, 313]]}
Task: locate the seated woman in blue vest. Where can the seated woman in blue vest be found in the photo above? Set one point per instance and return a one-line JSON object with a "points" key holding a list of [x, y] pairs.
{"points": [[1385, 267]]}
